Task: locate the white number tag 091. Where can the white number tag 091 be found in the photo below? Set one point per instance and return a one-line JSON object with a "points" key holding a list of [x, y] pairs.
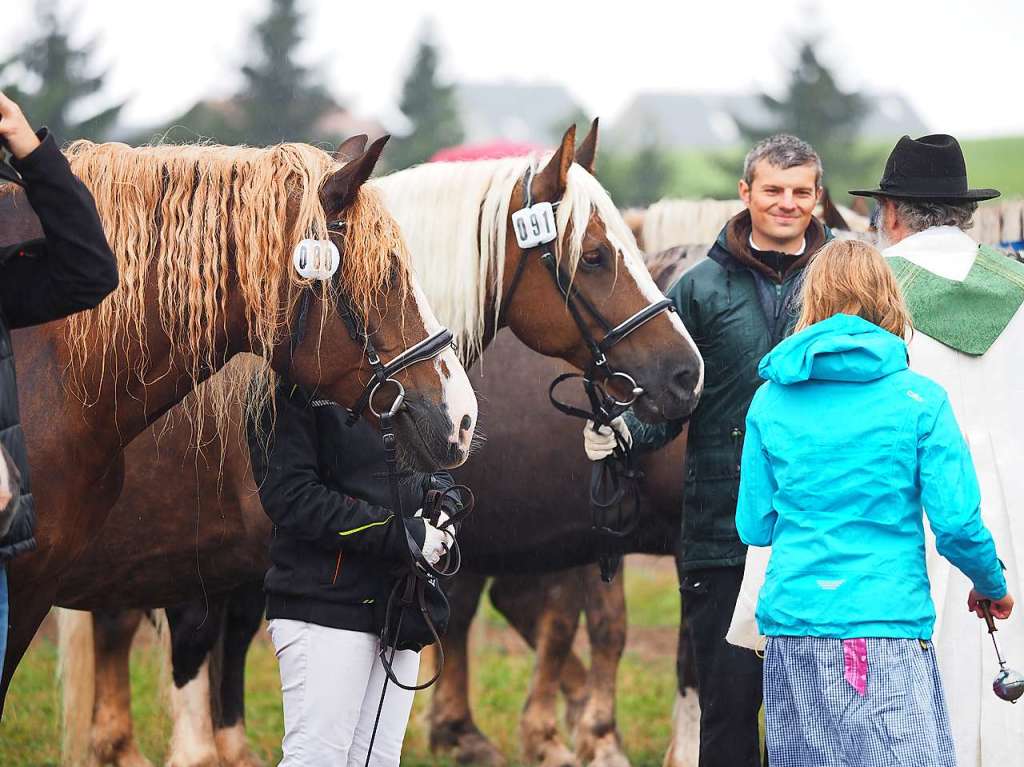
{"points": [[534, 225], [316, 259]]}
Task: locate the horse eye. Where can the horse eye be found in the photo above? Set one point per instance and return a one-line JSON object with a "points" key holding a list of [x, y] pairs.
{"points": [[593, 257]]}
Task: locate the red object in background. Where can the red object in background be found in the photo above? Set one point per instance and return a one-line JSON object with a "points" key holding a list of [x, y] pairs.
{"points": [[491, 150]]}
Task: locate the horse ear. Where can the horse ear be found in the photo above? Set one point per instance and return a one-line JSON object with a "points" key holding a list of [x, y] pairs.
{"points": [[351, 148], [586, 155], [550, 183], [340, 189]]}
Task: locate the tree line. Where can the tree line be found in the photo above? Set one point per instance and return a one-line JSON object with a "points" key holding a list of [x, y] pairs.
{"points": [[57, 81]]}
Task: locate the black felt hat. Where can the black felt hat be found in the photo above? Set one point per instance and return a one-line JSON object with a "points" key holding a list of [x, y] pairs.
{"points": [[928, 168]]}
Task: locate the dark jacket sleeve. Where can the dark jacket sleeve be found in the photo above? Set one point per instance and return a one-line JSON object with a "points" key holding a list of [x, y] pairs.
{"points": [[73, 269], [287, 471]]}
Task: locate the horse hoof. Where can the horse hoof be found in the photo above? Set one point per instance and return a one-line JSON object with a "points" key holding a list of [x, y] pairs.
{"points": [[608, 752], [557, 755], [474, 749], [234, 748], [133, 758], [198, 759]]}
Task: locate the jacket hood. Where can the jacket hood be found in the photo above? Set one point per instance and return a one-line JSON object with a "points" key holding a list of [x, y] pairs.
{"points": [[734, 241], [841, 348]]}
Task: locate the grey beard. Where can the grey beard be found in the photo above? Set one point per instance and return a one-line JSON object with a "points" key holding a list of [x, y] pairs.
{"points": [[883, 238]]}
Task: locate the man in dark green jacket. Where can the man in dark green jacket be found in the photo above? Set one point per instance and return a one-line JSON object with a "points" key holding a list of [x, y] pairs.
{"points": [[738, 304]]}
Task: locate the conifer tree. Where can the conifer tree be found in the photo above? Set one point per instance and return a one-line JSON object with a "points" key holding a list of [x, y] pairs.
{"points": [[429, 105], [49, 77]]}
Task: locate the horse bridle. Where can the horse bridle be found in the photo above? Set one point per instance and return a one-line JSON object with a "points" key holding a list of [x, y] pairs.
{"points": [[577, 304], [615, 480], [383, 373]]}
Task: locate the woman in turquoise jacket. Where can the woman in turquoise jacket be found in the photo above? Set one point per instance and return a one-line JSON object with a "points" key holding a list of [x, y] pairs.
{"points": [[844, 447]]}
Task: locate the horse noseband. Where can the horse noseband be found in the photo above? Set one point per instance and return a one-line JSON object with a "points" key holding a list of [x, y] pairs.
{"points": [[383, 374]]}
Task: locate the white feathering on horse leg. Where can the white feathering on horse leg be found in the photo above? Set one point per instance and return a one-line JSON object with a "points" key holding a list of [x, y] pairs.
{"points": [[76, 676], [192, 743], [684, 748]]}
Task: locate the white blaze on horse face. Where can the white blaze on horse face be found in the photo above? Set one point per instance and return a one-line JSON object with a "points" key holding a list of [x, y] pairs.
{"points": [[457, 393], [650, 291]]}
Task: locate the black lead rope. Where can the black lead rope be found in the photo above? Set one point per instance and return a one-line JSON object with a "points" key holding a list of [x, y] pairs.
{"points": [[409, 591], [615, 480], [413, 584]]}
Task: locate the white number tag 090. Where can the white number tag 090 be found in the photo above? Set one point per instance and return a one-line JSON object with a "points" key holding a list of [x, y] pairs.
{"points": [[316, 259], [534, 225]]}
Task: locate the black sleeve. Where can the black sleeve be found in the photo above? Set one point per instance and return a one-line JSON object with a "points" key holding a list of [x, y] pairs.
{"points": [[286, 468], [73, 269]]}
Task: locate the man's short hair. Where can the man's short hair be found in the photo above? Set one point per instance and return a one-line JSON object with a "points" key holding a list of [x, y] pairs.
{"points": [[783, 151], [918, 215]]}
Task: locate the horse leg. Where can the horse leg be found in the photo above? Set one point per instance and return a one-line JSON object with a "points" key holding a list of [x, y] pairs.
{"points": [[28, 605], [242, 619], [555, 631], [517, 602], [113, 738], [195, 628], [598, 741], [451, 721], [684, 748]]}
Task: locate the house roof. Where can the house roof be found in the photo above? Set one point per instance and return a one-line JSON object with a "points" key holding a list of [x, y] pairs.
{"points": [[527, 112], [705, 120]]}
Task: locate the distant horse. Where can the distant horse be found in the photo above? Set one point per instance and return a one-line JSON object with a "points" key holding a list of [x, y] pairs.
{"points": [[456, 217], [672, 222], [204, 237]]}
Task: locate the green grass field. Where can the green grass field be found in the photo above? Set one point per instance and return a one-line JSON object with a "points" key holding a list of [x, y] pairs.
{"points": [[29, 736]]}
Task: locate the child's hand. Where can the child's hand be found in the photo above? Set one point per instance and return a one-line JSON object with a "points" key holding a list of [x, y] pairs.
{"points": [[1000, 608]]}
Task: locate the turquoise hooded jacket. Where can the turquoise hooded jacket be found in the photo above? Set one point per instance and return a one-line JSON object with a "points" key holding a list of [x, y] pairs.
{"points": [[844, 447]]}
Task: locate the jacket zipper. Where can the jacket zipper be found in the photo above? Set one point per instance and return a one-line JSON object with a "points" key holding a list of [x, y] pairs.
{"points": [[737, 452]]}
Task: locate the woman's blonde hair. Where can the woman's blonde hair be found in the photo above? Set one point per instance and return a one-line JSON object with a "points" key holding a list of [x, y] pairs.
{"points": [[851, 277]]}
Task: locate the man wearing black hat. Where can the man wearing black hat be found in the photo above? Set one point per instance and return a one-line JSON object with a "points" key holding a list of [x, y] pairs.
{"points": [[965, 300]]}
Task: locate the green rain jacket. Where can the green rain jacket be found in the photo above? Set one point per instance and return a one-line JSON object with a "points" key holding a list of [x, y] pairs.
{"points": [[737, 308]]}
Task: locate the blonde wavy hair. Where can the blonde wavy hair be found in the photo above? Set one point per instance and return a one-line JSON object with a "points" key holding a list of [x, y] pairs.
{"points": [[851, 277], [187, 219]]}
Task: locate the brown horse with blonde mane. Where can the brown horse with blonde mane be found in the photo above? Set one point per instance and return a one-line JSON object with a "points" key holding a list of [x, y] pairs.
{"points": [[467, 256], [204, 237]]}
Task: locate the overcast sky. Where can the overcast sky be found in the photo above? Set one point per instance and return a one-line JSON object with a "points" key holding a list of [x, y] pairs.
{"points": [[961, 64]]}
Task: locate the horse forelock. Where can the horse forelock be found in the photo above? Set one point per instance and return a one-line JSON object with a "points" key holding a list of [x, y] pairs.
{"points": [[455, 217]]}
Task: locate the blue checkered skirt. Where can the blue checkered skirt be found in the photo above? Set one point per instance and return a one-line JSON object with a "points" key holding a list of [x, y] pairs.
{"points": [[815, 718]]}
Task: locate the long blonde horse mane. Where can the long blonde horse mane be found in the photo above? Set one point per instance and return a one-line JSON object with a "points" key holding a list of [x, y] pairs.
{"points": [[455, 214], [670, 222], [189, 219]]}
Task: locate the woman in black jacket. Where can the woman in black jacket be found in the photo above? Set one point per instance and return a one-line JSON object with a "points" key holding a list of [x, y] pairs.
{"points": [[68, 270], [335, 546]]}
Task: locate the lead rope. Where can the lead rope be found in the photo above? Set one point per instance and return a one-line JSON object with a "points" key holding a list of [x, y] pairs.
{"points": [[414, 581]]}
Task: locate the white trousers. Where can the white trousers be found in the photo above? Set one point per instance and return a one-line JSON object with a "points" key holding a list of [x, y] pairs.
{"points": [[331, 681]]}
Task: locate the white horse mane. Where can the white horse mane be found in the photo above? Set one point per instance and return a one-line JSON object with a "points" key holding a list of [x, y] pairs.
{"points": [[668, 223], [454, 216]]}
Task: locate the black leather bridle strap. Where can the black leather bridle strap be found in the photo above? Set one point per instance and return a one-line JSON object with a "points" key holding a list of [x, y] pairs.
{"points": [[642, 317]]}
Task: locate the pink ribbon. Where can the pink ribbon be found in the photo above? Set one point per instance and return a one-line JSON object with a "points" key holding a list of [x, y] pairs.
{"points": [[855, 664]]}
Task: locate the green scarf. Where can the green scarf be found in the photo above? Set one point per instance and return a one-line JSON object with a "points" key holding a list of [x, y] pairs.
{"points": [[967, 316]]}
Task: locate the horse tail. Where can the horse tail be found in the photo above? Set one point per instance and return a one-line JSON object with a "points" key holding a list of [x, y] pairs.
{"points": [[76, 675]]}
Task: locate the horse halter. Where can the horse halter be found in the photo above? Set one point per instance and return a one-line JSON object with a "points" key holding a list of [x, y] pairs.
{"points": [[615, 480], [383, 373], [577, 304]]}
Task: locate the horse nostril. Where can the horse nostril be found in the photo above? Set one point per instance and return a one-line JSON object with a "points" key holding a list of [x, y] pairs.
{"points": [[684, 380], [466, 424]]}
